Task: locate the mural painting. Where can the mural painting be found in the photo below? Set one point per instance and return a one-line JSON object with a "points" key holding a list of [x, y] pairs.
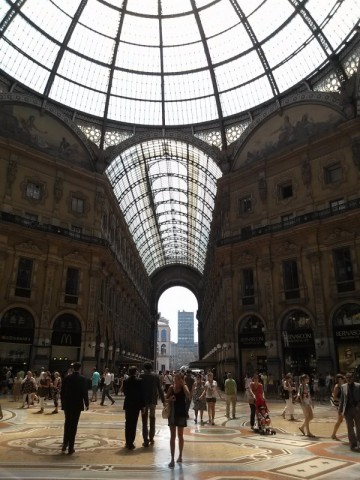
{"points": [[295, 126], [42, 131]]}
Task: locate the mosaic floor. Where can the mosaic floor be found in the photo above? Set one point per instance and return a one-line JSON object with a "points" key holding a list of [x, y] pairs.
{"points": [[30, 447]]}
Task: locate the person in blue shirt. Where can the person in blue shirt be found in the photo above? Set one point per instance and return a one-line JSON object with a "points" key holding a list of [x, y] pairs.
{"points": [[95, 380]]}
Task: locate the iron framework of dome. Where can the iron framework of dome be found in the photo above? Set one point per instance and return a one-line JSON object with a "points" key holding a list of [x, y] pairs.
{"points": [[199, 66]]}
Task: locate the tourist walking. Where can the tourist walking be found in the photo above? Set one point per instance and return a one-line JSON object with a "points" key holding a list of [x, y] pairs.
{"points": [[210, 394], [133, 404], [189, 381], [28, 389], [306, 403], [168, 380], [177, 394], [199, 402], [288, 392], [350, 408], [106, 390], [43, 389], [250, 398], [230, 389], [335, 400], [55, 391], [74, 399], [152, 391], [95, 381], [17, 387], [257, 389]]}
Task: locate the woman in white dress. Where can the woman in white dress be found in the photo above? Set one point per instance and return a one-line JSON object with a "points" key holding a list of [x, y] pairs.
{"points": [[210, 394]]}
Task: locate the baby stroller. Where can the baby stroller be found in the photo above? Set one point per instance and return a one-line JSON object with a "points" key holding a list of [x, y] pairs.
{"points": [[263, 419]]}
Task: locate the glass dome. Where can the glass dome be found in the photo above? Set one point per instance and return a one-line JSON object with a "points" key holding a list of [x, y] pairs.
{"points": [[202, 67], [169, 62]]}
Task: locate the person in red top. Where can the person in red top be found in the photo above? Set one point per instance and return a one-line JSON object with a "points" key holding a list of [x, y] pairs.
{"points": [[257, 389]]}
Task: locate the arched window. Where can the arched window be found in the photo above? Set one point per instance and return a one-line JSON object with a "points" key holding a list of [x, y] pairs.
{"points": [[163, 349], [163, 335]]}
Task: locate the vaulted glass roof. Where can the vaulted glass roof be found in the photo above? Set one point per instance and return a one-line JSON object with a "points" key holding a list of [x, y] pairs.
{"points": [[116, 67], [166, 190], [169, 62]]}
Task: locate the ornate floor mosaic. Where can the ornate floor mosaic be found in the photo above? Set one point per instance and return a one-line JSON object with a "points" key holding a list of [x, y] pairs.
{"points": [[30, 448]]}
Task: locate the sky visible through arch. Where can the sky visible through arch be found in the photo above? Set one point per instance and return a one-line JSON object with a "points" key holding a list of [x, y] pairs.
{"points": [[173, 300]]}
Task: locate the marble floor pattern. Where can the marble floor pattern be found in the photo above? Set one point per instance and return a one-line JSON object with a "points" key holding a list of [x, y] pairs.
{"points": [[30, 447]]}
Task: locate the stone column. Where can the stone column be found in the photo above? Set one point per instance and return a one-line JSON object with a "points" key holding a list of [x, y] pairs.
{"points": [[272, 340], [322, 340]]}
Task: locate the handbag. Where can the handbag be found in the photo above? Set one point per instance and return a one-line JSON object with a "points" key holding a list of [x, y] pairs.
{"points": [[166, 411]]}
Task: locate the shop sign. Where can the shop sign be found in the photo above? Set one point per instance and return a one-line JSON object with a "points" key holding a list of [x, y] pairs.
{"points": [[347, 333], [16, 335], [66, 339], [252, 340], [300, 338]]}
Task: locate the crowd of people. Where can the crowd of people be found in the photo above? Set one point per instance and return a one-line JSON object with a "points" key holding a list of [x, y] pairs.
{"points": [[342, 392], [142, 389]]}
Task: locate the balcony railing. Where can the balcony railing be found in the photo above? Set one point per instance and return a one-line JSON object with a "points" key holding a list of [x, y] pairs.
{"points": [[53, 229], [293, 222]]}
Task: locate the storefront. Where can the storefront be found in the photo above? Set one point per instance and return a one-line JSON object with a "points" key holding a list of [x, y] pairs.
{"points": [[346, 326], [252, 348], [298, 343], [16, 339], [65, 343]]}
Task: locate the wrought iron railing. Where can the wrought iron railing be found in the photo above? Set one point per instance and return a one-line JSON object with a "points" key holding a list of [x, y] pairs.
{"points": [[293, 222]]}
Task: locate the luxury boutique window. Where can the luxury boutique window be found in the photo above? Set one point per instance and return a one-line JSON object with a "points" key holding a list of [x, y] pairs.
{"points": [[72, 285], [23, 279], [344, 274], [248, 292], [291, 279]]}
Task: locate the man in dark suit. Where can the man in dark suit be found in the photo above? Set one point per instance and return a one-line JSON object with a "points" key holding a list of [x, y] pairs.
{"points": [[133, 403], [152, 390], [74, 395], [349, 407]]}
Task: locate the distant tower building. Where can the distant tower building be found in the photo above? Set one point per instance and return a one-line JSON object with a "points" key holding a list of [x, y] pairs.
{"points": [[186, 329], [186, 348]]}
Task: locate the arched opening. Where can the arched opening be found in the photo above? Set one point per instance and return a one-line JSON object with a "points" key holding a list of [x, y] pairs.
{"points": [[252, 345], [65, 342], [16, 338], [298, 343], [177, 333]]}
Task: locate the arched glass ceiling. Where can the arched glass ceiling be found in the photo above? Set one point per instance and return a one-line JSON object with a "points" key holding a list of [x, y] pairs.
{"points": [[169, 62], [166, 190]]}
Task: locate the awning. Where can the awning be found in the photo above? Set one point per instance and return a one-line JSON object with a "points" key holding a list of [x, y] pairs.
{"points": [[203, 364]]}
